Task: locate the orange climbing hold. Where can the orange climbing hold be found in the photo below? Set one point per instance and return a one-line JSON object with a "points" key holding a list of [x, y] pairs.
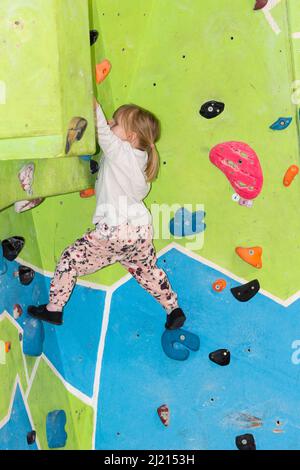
{"points": [[102, 71], [290, 175], [251, 255], [219, 285], [87, 193], [7, 346]]}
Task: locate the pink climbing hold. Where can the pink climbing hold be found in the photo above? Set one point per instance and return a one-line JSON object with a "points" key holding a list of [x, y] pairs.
{"points": [[241, 166], [260, 4], [164, 414]]}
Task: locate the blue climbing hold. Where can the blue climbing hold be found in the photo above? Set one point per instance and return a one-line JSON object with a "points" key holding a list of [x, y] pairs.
{"points": [[55, 429], [177, 343], [33, 338], [3, 266], [86, 158], [186, 223], [281, 124]]}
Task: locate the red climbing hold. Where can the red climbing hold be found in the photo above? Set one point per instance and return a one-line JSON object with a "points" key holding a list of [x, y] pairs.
{"points": [[260, 4], [219, 285], [251, 255], [164, 414]]}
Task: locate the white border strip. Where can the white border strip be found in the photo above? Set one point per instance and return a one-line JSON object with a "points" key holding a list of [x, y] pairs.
{"points": [[93, 402]]}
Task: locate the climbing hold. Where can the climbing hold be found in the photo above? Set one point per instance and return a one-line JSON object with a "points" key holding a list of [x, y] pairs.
{"points": [[235, 197], [2, 353], [17, 311], [3, 267], [87, 193], [212, 109], [55, 429], [260, 4], [164, 414], [220, 357], [246, 292], [245, 202], [12, 247], [252, 255], [102, 71], [77, 128], [281, 124], [31, 437], [26, 178], [7, 346], [241, 166], [219, 285], [290, 175], [186, 223], [86, 158], [94, 167], [20, 337], [33, 338], [94, 34], [176, 343], [245, 442], [26, 275], [23, 206]]}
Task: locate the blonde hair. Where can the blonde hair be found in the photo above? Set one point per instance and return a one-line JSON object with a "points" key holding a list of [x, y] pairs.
{"points": [[147, 128]]}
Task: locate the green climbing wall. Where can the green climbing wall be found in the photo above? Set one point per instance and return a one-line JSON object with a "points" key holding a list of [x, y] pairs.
{"points": [[208, 54], [169, 56]]}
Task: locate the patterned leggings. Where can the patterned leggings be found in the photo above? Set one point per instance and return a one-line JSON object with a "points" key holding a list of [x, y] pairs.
{"points": [[131, 245]]}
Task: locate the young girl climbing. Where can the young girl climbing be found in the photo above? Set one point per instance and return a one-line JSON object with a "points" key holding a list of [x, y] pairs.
{"points": [[123, 225]]}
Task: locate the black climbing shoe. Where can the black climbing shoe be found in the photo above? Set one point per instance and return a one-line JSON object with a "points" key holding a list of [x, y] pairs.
{"points": [[41, 313], [175, 319]]}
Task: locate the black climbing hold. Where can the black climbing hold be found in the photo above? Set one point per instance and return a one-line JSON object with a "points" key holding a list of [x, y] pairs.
{"points": [[246, 292], [26, 275], [31, 437], [245, 442], [93, 36], [94, 167], [20, 336], [12, 247], [220, 357], [212, 109]]}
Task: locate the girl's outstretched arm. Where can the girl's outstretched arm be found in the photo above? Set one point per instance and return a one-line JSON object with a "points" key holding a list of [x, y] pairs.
{"points": [[108, 141]]}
